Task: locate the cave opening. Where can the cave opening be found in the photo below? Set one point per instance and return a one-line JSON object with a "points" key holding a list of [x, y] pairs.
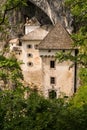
{"points": [[31, 10]]}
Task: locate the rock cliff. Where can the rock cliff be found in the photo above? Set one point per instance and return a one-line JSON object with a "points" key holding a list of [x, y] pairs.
{"points": [[46, 11], [55, 10]]}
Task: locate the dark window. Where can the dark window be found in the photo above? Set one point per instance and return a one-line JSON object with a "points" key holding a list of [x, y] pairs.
{"points": [[52, 64], [63, 50], [52, 80], [20, 43], [49, 50], [36, 46], [30, 64], [29, 46], [52, 94], [29, 55]]}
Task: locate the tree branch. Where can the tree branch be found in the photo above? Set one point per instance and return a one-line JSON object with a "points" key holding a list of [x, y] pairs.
{"points": [[5, 12]]}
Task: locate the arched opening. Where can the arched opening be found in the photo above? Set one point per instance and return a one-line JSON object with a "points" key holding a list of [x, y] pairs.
{"points": [[52, 94], [32, 10]]}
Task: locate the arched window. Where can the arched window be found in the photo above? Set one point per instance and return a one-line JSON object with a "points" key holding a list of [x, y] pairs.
{"points": [[52, 94], [30, 64]]}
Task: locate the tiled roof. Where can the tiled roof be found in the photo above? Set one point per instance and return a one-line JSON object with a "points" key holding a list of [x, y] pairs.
{"points": [[57, 38], [37, 34]]}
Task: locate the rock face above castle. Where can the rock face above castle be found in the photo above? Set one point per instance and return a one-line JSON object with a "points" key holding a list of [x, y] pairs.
{"points": [[55, 10], [46, 11]]}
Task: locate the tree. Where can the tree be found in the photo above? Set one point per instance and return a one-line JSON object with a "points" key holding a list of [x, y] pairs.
{"points": [[78, 10], [10, 72], [8, 5], [5, 7]]}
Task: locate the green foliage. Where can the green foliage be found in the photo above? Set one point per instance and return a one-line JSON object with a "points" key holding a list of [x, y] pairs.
{"points": [[80, 98], [34, 112], [9, 5], [10, 71], [64, 56], [78, 10], [5, 7], [37, 113], [83, 76]]}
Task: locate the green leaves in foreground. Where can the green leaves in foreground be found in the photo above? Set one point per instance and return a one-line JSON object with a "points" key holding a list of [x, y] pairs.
{"points": [[37, 113], [10, 71]]}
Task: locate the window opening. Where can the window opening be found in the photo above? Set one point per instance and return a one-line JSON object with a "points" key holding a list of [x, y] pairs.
{"points": [[52, 80], [36, 46], [52, 64], [29, 46], [52, 94], [29, 55], [20, 43], [30, 64], [63, 50], [49, 50]]}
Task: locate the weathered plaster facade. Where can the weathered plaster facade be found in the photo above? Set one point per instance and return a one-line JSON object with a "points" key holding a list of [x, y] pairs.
{"points": [[58, 78], [39, 67], [31, 66], [63, 74], [31, 63]]}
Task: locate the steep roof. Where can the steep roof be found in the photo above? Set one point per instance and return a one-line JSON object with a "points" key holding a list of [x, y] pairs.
{"points": [[57, 38], [37, 34]]}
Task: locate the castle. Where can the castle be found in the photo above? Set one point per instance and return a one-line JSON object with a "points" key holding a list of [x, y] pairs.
{"points": [[37, 49]]}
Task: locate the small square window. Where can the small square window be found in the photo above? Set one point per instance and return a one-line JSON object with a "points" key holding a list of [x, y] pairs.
{"points": [[52, 80], [29, 46], [52, 64]]}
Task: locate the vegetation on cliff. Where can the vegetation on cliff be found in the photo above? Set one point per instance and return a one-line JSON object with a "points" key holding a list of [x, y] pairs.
{"points": [[79, 12]]}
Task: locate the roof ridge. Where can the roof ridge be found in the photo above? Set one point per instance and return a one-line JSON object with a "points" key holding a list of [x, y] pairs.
{"points": [[57, 38]]}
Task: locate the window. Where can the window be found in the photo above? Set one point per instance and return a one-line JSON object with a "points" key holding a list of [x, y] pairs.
{"points": [[52, 64], [29, 46], [52, 80], [63, 50], [20, 43], [52, 94], [49, 50], [36, 46], [29, 55], [30, 64]]}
